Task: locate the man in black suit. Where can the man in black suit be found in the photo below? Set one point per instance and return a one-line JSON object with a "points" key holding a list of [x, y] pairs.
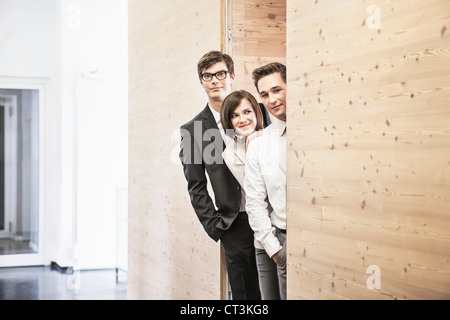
{"points": [[202, 143]]}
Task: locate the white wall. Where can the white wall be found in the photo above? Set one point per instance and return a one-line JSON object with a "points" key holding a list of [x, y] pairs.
{"points": [[94, 69], [56, 42]]}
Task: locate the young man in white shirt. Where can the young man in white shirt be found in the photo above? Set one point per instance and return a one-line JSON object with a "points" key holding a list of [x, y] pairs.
{"points": [[265, 171]]}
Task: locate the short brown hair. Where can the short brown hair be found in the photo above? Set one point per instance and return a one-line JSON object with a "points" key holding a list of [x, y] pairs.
{"points": [[232, 101], [213, 57], [266, 70]]}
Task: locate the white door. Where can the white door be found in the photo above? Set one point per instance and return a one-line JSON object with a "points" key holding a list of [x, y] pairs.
{"points": [[21, 221]]}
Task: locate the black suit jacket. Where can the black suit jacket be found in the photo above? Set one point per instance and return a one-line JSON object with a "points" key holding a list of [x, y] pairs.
{"points": [[201, 153]]}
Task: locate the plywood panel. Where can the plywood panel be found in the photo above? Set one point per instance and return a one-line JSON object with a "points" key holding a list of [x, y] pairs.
{"points": [[170, 255], [368, 149], [259, 37]]}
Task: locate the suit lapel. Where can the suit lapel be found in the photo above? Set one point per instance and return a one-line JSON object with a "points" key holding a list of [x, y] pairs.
{"points": [[211, 129]]}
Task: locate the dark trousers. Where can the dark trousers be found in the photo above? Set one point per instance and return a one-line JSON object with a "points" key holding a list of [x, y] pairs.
{"points": [[240, 259]]}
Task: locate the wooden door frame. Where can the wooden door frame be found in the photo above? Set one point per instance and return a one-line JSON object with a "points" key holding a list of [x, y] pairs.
{"points": [[225, 47]]}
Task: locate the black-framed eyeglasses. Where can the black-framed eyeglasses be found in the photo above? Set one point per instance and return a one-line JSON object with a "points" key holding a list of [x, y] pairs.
{"points": [[220, 75]]}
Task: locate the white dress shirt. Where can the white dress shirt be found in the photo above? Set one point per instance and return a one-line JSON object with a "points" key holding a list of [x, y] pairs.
{"points": [[265, 178]]}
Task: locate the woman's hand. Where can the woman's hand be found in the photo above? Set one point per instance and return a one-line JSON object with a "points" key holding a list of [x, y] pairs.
{"points": [[251, 137]]}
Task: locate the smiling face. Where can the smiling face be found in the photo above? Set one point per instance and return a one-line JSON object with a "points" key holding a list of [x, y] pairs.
{"points": [[272, 90], [243, 118], [217, 90]]}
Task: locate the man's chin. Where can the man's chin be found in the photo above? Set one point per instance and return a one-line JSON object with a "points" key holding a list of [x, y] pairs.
{"points": [[218, 96], [280, 115]]}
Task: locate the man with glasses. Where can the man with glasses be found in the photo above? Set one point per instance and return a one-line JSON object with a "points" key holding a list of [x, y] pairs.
{"points": [[202, 143]]}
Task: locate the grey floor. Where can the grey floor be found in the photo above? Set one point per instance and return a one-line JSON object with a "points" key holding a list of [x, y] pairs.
{"points": [[42, 283]]}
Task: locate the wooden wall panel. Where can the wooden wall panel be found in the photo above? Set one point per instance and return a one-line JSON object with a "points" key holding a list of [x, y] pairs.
{"points": [[259, 37], [368, 149], [170, 255]]}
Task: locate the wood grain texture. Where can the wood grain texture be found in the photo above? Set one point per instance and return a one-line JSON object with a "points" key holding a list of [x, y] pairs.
{"points": [[259, 37], [170, 255], [368, 149]]}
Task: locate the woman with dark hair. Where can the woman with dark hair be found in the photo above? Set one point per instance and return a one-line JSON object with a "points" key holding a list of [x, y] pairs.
{"points": [[241, 115], [242, 120]]}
